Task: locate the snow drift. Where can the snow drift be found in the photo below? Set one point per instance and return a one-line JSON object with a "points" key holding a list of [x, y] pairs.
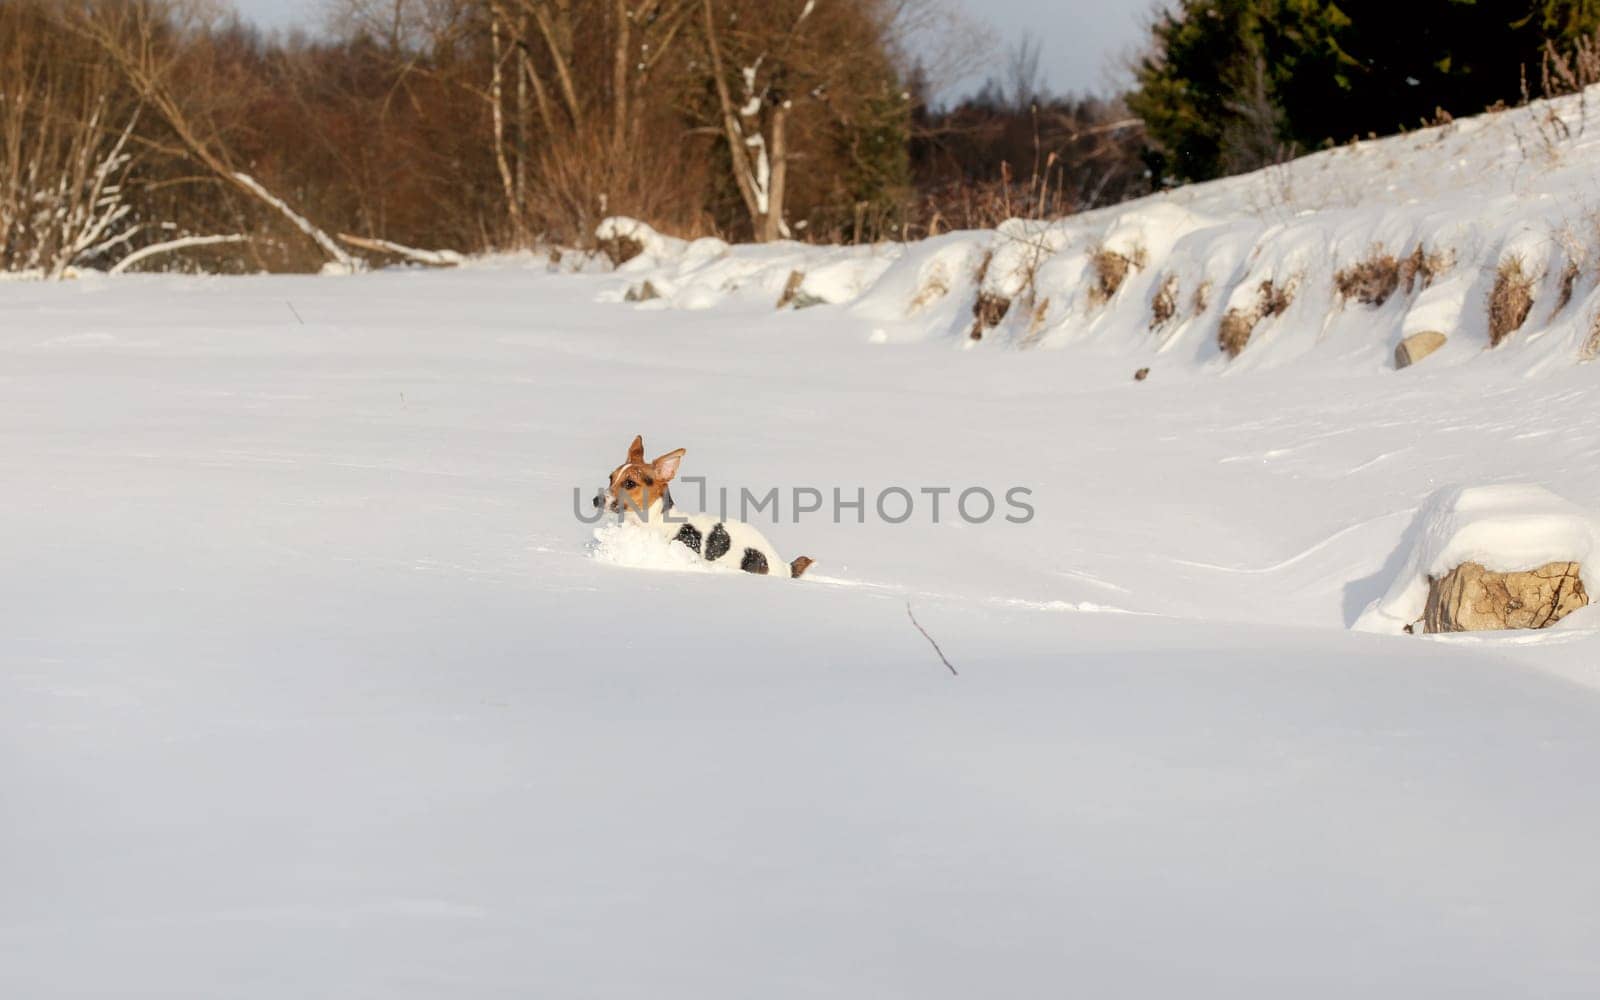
{"points": [[1485, 230], [1504, 528]]}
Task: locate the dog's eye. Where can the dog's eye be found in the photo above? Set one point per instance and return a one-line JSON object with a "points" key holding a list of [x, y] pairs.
{"points": [[629, 484]]}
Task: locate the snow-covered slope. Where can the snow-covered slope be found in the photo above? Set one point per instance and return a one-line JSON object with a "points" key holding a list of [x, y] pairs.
{"points": [[311, 685], [313, 682], [1330, 260]]}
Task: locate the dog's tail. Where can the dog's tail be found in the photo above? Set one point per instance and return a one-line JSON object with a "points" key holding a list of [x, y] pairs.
{"points": [[799, 566]]}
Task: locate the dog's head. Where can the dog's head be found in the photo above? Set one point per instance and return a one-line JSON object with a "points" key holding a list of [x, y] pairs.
{"points": [[636, 485]]}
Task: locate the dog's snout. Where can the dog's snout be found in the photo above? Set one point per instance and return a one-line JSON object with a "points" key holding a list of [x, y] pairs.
{"points": [[596, 500]]}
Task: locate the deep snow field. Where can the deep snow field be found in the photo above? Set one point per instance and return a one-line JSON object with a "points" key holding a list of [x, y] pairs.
{"points": [[312, 684]]}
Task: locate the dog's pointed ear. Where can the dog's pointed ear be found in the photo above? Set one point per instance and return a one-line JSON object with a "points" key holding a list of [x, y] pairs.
{"points": [[667, 465], [636, 450]]}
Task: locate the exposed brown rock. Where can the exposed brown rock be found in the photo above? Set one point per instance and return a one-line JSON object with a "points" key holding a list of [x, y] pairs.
{"points": [[621, 249], [987, 312], [642, 292], [1471, 598], [1416, 347]]}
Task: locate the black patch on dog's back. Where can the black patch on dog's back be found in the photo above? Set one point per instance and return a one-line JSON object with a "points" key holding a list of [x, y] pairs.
{"points": [[690, 536], [717, 543], [753, 562]]}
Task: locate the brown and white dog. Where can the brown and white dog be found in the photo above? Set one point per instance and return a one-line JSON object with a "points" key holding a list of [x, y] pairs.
{"points": [[638, 490]]}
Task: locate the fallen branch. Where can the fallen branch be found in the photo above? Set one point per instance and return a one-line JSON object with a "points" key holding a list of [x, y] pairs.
{"points": [[182, 243], [931, 642], [300, 222], [432, 258]]}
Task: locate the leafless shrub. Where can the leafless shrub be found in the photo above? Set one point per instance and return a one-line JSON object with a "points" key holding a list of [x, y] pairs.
{"points": [[1164, 304], [1591, 347], [1511, 299], [1272, 299], [578, 178], [1572, 71], [65, 149], [1369, 281]]}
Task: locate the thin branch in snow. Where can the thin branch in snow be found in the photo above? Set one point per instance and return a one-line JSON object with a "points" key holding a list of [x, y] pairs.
{"points": [[931, 641]]}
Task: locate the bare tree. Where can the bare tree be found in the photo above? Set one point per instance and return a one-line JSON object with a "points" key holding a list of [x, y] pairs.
{"points": [[760, 163], [1024, 84], [65, 151], [141, 38]]}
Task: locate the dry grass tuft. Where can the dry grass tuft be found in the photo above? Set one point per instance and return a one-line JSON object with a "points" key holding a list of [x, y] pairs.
{"points": [[1271, 300], [1569, 280], [1202, 297], [1591, 347], [1111, 270], [1510, 301], [1036, 319], [988, 310], [1420, 268], [1164, 304], [934, 288], [1370, 281], [1234, 333]]}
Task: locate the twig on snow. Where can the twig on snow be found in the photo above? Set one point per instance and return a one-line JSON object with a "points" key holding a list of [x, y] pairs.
{"points": [[931, 642]]}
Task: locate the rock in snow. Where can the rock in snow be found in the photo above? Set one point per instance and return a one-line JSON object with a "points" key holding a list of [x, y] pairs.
{"points": [[1489, 557], [1416, 347], [1470, 598]]}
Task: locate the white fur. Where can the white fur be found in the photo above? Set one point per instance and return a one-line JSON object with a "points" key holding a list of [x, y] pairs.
{"points": [[741, 536]]}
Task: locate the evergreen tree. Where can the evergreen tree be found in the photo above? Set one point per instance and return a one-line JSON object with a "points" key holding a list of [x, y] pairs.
{"points": [[1229, 84]]}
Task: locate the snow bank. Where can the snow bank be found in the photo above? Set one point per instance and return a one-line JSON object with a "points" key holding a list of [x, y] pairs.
{"points": [[708, 272], [1502, 528], [1270, 255]]}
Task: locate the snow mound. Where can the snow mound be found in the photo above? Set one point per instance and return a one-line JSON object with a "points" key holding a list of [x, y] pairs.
{"points": [[654, 248], [1503, 528], [1431, 217], [625, 543]]}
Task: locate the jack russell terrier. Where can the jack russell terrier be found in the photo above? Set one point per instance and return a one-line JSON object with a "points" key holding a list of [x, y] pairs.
{"points": [[638, 489]]}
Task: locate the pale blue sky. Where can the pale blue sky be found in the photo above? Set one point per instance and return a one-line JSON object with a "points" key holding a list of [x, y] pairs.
{"points": [[1082, 40]]}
